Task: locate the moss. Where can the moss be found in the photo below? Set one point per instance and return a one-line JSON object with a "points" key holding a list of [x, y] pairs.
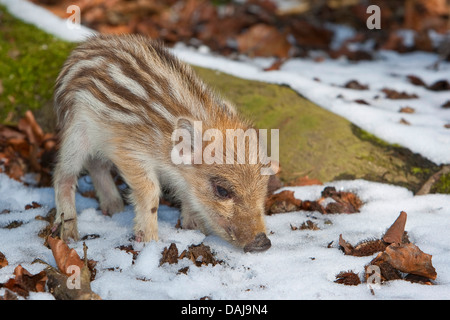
{"points": [[421, 171], [30, 60], [442, 185], [366, 136]]}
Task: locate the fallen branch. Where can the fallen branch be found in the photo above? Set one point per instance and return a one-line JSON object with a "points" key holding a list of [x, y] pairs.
{"points": [[426, 187]]}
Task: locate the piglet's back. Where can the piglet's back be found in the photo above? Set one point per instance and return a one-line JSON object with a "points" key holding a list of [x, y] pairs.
{"points": [[135, 81]]}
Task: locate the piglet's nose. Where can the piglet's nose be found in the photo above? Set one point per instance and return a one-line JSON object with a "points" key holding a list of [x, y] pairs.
{"points": [[260, 243]]}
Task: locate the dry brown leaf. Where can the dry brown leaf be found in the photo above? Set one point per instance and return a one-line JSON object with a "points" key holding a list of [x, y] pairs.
{"points": [[309, 225], [58, 285], [409, 258], [362, 101], [9, 295], [65, 283], [407, 110], [395, 232], [348, 278], [263, 40], [347, 247], [198, 254], [440, 85], [355, 85], [393, 94], [129, 249], [362, 249], [387, 271], [33, 205], [416, 80], [345, 202], [24, 282], [26, 148], [3, 261], [281, 202], [11, 133], [276, 65], [31, 128], [310, 36], [169, 255], [418, 279], [64, 256], [446, 105]]}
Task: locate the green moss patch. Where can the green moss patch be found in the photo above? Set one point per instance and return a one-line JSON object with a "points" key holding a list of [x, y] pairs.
{"points": [[30, 60], [443, 185]]}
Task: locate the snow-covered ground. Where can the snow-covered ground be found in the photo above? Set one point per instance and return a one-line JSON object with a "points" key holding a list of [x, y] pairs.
{"points": [[299, 265]]}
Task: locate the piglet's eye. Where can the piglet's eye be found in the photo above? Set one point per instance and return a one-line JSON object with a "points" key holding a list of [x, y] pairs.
{"points": [[221, 192]]}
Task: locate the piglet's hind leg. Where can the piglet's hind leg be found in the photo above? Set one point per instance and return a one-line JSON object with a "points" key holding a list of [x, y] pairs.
{"points": [[109, 197]]}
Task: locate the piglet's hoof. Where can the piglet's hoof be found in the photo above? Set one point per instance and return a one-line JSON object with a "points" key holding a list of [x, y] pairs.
{"points": [[65, 230], [139, 236]]}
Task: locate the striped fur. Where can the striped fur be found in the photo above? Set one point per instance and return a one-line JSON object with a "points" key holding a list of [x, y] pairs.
{"points": [[118, 100]]}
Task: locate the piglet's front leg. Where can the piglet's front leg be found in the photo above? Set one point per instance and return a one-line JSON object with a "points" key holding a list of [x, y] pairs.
{"points": [[144, 196]]}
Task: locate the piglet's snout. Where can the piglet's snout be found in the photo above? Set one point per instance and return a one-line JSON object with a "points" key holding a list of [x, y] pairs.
{"points": [[260, 243]]}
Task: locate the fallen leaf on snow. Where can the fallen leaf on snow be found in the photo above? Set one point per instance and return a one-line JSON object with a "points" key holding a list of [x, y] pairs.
{"points": [[169, 255], [416, 80], [440, 85], [393, 94], [355, 85], [33, 205], [405, 122], [348, 278], [24, 282], [397, 255], [345, 202], [408, 258], [281, 202], [198, 254], [395, 233], [3, 261], [362, 249], [446, 105], [73, 279], [276, 65], [255, 42], [407, 110], [307, 225], [64, 256], [362, 101]]}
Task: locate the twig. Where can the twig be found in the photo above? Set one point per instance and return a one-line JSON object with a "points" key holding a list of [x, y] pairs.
{"points": [[61, 232], [85, 248], [426, 187]]}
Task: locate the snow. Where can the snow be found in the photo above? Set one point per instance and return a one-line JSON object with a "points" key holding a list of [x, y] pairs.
{"points": [[299, 265], [45, 20]]}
